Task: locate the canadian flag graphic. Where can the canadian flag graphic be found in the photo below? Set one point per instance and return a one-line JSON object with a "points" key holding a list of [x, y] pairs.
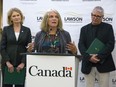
{"points": [[68, 68]]}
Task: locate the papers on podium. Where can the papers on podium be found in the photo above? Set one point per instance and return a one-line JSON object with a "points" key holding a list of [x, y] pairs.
{"points": [[95, 47], [17, 78]]}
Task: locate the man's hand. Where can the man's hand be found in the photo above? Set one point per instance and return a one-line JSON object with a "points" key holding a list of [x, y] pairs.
{"points": [[94, 59]]}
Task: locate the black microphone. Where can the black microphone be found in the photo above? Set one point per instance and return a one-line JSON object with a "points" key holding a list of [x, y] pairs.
{"points": [[50, 29]]}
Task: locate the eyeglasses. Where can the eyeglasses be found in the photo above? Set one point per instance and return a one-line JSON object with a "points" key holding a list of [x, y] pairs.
{"points": [[97, 16]]}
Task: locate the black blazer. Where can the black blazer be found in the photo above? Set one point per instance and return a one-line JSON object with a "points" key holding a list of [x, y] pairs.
{"points": [[103, 32], [11, 48]]}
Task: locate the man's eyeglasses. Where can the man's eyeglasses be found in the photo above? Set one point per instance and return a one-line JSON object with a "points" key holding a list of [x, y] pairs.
{"points": [[97, 16]]}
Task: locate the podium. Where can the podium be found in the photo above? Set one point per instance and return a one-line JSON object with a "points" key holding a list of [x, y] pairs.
{"points": [[51, 70]]}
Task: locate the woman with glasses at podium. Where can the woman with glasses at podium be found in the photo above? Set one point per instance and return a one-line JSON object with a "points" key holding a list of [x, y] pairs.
{"points": [[15, 38], [52, 38]]}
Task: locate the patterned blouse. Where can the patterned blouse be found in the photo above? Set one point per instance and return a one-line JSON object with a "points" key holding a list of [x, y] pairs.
{"points": [[51, 44]]}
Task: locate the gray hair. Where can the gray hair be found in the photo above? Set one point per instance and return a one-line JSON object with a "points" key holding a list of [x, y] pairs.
{"points": [[99, 9]]}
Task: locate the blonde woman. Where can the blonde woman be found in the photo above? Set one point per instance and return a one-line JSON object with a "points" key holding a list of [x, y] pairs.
{"points": [[15, 38]]}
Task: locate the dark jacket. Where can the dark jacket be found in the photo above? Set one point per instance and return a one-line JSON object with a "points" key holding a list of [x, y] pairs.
{"points": [[103, 32], [63, 35], [11, 48]]}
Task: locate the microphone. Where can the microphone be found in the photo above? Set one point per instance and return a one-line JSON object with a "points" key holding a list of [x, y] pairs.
{"points": [[52, 32], [50, 29]]}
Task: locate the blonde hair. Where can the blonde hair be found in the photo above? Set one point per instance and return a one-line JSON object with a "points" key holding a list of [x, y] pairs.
{"points": [[44, 24], [9, 21]]}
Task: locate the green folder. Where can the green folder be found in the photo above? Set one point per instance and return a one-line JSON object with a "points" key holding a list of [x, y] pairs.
{"points": [[95, 47], [17, 78]]}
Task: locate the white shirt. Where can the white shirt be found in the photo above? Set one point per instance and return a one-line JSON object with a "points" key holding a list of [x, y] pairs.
{"points": [[17, 35]]}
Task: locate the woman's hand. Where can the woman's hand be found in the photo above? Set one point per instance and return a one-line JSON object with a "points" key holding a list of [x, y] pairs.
{"points": [[20, 67], [30, 47], [72, 48], [10, 67]]}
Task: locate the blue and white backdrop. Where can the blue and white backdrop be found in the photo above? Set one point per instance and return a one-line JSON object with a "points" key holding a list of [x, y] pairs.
{"points": [[74, 13]]}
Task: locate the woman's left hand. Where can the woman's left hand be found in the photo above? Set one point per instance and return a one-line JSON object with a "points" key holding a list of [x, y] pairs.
{"points": [[20, 66], [72, 47]]}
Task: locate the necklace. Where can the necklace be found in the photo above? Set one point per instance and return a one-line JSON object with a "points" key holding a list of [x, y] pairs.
{"points": [[53, 39]]}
